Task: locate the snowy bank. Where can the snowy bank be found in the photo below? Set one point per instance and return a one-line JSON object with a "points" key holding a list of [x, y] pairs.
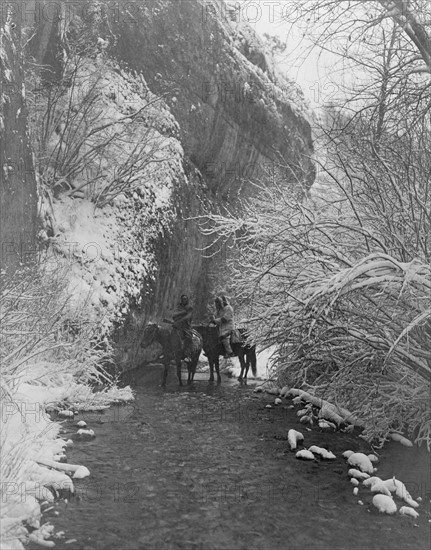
{"points": [[31, 471]]}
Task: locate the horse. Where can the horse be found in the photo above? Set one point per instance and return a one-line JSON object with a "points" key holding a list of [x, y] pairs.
{"points": [[171, 343], [213, 348]]}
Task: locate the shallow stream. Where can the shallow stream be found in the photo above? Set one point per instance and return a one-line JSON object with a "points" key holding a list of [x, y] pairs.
{"points": [[208, 467]]}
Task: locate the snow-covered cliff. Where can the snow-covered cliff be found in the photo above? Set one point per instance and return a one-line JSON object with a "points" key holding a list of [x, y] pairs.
{"points": [[197, 88]]}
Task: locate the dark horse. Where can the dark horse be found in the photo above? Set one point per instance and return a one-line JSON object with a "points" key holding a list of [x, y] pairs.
{"points": [[213, 348], [171, 343]]}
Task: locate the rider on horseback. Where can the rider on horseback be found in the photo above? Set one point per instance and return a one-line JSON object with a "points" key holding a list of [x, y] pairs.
{"points": [[182, 318], [225, 322]]}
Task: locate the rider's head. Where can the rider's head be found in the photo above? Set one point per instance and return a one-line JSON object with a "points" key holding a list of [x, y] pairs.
{"points": [[184, 299], [224, 301]]}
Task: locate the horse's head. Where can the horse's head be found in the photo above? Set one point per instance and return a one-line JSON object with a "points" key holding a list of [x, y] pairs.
{"points": [[151, 334]]}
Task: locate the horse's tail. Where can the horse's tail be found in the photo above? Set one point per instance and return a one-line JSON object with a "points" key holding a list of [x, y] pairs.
{"points": [[253, 360]]}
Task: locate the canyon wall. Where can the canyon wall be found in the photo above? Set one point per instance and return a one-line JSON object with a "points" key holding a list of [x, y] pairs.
{"points": [[238, 120]]}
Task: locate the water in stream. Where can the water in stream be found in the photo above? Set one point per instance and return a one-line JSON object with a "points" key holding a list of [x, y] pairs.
{"points": [[208, 467]]}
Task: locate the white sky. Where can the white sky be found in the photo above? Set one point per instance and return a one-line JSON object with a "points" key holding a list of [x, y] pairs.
{"points": [[319, 73]]}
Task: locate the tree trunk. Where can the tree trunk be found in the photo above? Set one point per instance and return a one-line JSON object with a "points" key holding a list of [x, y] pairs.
{"points": [[18, 192]]}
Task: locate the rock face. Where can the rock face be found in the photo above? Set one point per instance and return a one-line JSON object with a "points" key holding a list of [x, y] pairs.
{"points": [[234, 118], [238, 120]]}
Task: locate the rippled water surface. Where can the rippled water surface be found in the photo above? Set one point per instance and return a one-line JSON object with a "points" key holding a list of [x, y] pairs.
{"points": [[208, 467]]}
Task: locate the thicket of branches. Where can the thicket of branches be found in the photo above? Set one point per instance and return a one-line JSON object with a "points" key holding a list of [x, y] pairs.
{"points": [[42, 330], [350, 324], [51, 358], [77, 132], [340, 283]]}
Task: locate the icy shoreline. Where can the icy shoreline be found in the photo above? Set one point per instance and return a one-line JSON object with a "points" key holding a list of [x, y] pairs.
{"points": [[33, 464]]}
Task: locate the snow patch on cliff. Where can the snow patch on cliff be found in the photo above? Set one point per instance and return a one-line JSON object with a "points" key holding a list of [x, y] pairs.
{"points": [[109, 247]]}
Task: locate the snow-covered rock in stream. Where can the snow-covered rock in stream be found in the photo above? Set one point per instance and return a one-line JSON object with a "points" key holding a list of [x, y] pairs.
{"points": [[326, 425], [77, 470], [327, 411], [81, 472], [346, 454], [361, 461], [324, 453], [304, 454], [401, 439], [400, 490], [357, 474], [278, 401], [373, 458], [354, 481], [272, 390], [81, 424], [378, 486], [82, 433], [284, 391], [384, 504], [293, 438], [371, 480], [408, 511]]}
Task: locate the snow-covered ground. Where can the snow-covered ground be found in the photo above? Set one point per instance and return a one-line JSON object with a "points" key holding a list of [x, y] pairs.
{"points": [[32, 470]]}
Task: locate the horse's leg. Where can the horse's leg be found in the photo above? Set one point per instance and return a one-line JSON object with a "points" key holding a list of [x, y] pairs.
{"points": [[217, 367], [244, 360], [189, 372], [242, 363], [211, 364], [192, 368], [165, 372], [178, 363]]}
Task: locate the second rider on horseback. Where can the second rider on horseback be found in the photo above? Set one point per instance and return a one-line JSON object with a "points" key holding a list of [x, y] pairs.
{"points": [[225, 322]]}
